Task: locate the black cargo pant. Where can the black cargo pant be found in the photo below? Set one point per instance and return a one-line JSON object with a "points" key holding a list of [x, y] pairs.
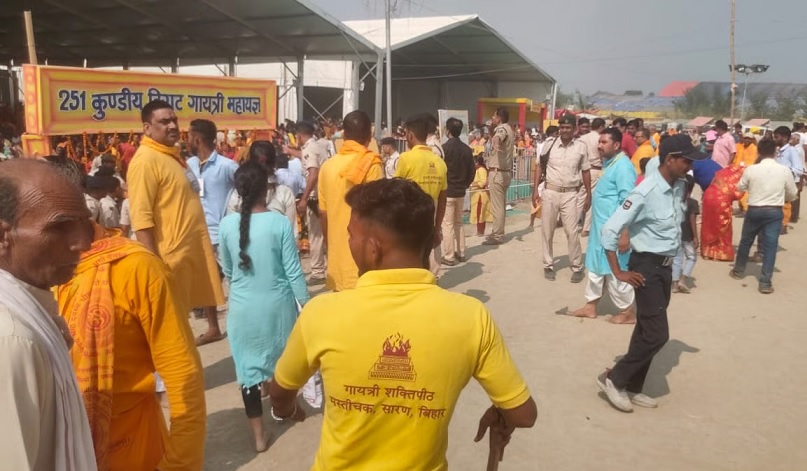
{"points": [[652, 330]]}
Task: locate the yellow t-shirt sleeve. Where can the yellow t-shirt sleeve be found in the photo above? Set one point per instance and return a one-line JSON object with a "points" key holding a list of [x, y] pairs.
{"points": [[444, 178], [294, 366], [143, 186], [496, 371], [376, 172]]}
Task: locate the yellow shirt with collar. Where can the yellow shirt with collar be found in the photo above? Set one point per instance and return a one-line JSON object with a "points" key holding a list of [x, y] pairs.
{"points": [[392, 385], [644, 151], [422, 166]]}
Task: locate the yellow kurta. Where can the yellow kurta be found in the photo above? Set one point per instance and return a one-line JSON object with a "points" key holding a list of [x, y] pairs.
{"points": [[746, 156], [342, 271], [150, 333], [161, 197], [480, 196], [644, 151]]}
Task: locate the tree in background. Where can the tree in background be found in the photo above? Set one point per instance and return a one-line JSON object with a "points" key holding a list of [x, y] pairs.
{"points": [[758, 106]]}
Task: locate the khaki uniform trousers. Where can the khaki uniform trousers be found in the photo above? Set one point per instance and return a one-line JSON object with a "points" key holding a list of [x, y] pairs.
{"points": [[498, 183], [316, 243], [565, 205], [453, 235]]}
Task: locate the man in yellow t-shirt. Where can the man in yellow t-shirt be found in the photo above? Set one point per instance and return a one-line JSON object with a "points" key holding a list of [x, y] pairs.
{"points": [[644, 149], [422, 166], [392, 384], [352, 165]]}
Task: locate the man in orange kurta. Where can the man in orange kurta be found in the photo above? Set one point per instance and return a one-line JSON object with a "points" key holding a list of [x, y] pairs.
{"points": [[121, 309], [166, 211], [352, 165], [746, 156]]}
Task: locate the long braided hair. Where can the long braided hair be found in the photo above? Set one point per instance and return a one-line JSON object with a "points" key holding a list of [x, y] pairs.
{"points": [[251, 180]]}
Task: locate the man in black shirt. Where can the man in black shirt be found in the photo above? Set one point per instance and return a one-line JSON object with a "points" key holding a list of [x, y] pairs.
{"points": [[460, 163]]}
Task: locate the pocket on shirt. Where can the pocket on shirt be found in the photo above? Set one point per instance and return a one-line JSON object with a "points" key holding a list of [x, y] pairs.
{"points": [[663, 214]]}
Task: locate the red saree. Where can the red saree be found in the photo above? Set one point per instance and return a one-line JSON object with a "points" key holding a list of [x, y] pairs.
{"points": [[717, 214]]}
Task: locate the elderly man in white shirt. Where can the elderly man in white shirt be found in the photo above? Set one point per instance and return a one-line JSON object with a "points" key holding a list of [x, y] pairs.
{"points": [[44, 227], [770, 185]]}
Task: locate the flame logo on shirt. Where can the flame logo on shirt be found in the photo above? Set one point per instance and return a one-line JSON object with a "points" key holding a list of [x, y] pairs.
{"points": [[394, 362], [394, 346]]}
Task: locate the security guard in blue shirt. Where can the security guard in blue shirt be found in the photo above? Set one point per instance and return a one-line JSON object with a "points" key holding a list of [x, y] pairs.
{"points": [[652, 213]]}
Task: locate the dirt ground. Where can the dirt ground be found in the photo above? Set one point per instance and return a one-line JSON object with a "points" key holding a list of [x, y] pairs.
{"points": [[730, 382]]}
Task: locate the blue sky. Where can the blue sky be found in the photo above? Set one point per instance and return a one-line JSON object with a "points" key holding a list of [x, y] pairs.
{"points": [[619, 45]]}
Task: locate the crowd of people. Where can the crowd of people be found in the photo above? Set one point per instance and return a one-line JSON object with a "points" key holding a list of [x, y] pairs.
{"points": [[104, 252]]}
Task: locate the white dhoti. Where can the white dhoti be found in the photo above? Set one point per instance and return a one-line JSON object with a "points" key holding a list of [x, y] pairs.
{"points": [[621, 293]]}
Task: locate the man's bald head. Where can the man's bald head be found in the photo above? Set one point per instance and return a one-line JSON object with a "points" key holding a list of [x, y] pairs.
{"points": [[44, 223]]}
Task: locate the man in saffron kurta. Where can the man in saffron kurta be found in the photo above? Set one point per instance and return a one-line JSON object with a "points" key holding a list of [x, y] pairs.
{"points": [[354, 164], [746, 157], [166, 212], [122, 311]]}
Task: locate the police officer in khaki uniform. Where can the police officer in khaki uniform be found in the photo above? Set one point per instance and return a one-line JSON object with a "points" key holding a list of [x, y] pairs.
{"points": [[567, 170], [592, 141], [500, 172]]}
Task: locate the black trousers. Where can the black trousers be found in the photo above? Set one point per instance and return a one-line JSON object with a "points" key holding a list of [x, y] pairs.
{"points": [[253, 404], [652, 330]]}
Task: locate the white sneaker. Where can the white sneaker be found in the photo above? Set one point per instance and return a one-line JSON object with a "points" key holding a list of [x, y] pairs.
{"points": [[618, 398], [643, 400]]}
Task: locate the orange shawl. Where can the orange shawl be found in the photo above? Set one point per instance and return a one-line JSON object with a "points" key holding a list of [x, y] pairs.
{"points": [[357, 171], [86, 303]]}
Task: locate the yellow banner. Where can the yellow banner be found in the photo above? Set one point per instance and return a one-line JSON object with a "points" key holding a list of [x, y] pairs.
{"points": [[65, 100]]}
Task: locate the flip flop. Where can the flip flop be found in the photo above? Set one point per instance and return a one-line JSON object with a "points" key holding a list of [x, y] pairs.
{"points": [[204, 340]]}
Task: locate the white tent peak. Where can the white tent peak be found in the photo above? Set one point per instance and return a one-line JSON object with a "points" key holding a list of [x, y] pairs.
{"points": [[405, 31]]}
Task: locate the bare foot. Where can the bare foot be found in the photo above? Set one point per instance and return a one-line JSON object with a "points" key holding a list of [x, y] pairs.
{"points": [[628, 316], [210, 336], [589, 310], [262, 444]]}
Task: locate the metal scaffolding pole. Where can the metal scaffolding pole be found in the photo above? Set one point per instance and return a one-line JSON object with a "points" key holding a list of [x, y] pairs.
{"points": [[300, 87], [379, 88]]}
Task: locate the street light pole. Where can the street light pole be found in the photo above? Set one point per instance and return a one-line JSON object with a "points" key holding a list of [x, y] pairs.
{"points": [[389, 65]]}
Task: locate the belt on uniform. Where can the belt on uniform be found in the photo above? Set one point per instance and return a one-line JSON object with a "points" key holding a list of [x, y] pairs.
{"points": [[562, 189], [494, 169], [662, 260]]}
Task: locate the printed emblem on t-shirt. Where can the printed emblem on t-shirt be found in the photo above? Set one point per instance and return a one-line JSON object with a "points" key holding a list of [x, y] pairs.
{"points": [[394, 362], [627, 204]]}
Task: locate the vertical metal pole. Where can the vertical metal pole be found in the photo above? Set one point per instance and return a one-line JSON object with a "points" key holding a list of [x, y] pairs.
{"points": [[379, 87], [175, 66], [731, 45], [745, 89], [554, 100], [29, 37], [300, 88], [232, 69], [389, 66]]}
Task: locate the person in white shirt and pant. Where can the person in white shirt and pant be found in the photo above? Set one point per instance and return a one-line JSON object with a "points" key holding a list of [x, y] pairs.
{"points": [[769, 185]]}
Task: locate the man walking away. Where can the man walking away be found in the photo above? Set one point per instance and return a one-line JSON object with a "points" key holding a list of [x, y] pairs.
{"points": [[394, 383], [790, 158], [461, 171], [770, 185], [567, 170], [421, 165], [652, 213], [500, 173], [352, 165], [216, 176]]}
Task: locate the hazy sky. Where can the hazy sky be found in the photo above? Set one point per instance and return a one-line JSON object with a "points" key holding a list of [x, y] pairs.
{"points": [[618, 45]]}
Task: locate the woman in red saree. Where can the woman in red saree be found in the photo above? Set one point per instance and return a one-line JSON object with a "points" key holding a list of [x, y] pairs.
{"points": [[717, 214]]}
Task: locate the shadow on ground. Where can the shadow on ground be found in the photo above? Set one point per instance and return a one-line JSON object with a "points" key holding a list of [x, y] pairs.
{"points": [[229, 444], [220, 373], [455, 276], [663, 363], [479, 294]]}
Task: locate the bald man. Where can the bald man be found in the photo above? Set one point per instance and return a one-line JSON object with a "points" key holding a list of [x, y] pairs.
{"points": [[44, 227]]}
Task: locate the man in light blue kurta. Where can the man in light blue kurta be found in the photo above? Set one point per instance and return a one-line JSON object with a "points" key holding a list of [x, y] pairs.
{"points": [[616, 181]]}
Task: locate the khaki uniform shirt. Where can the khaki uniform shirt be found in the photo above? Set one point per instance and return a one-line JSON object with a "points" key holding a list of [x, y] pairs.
{"points": [[314, 155], [566, 162], [592, 140], [503, 157]]}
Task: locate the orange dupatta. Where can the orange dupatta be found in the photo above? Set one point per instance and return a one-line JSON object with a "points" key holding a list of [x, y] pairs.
{"points": [[357, 171], [87, 305]]}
